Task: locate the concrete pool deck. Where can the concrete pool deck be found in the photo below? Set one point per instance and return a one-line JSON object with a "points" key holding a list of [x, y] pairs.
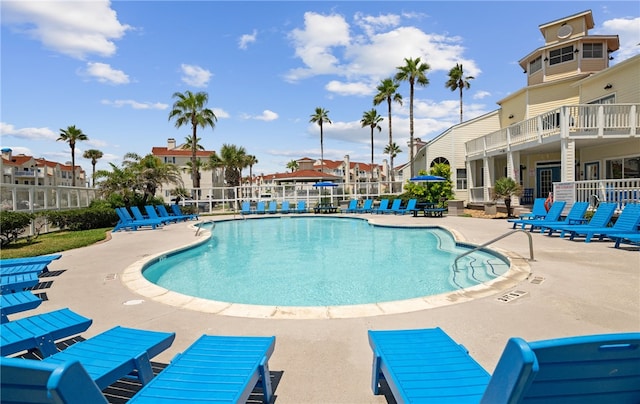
{"points": [[571, 288]]}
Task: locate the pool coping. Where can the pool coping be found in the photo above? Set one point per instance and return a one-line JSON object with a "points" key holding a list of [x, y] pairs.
{"points": [[133, 279]]}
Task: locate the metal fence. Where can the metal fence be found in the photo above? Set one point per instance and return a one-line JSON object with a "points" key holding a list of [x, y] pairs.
{"points": [[34, 198]]}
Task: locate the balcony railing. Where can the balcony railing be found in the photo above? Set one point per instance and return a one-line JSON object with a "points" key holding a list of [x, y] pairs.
{"points": [[589, 121]]}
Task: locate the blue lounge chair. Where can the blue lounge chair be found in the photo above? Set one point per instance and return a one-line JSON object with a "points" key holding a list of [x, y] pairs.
{"points": [[16, 269], [382, 208], [137, 215], [116, 353], [261, 208], [626, 238], [245, 208], [12, 283], [538, 211], [626, 222], [395, 206], [366, 207], [16, 303], [575, 216], [178, 212], [428, 366], [128, 222], [273, 207], [553, 215], [301, 207], [600, 218], [212, 369], [40, 331], [40, 259], [411, 207], [162, 210], [353, 206], [153, 214], [284, 209]]}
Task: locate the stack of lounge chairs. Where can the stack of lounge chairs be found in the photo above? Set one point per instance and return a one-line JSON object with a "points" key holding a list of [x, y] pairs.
{"points": [[156, 216]]}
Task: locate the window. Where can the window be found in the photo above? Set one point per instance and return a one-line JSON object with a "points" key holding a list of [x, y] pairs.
{"points": [[592, 51], [461, 178], [439, 160], [628, 167], [535, 65], [561, 55]]}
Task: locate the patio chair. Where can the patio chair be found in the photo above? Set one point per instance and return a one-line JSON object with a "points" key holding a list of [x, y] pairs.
{"points": [[273, 207], [12, 283], [128, 222], [40, 259], [366, 207], [626, 222], [17, 303], [245, 208], [538, 211], [395, 206], [427, 365], [411, 207], [152, 213], [575, 216], [162, 210], [213, 368], [178, 212], [553, 215], [116, 353], [600, 218], [16, 269], [353, 206], [626, 238], [40, 331], [260, 208], [382, 208], [284, 209], [301, 207]]}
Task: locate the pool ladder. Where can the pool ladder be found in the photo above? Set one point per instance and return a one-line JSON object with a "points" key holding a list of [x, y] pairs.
{"points": [[455, 262], [203, 223]]}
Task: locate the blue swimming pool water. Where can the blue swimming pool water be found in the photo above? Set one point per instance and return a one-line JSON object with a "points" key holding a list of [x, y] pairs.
{"points": [[311, 261]]}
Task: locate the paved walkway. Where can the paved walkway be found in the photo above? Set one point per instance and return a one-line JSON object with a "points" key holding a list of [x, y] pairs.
{"points": [[572, 288]]}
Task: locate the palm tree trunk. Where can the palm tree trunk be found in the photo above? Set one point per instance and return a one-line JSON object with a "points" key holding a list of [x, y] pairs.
{"points": [[73, 164], [390, 136], [321, 150], [460, 104], [411, 129], [372, 154], [194, 169]]}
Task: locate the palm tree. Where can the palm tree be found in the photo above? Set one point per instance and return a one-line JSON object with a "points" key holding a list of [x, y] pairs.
{"points": [[458, 81], [392, 150], [372, 120], [321, 116], [414, 72], [214, 164], [251, 161], [94, 155], [388, 90], [150, 172], [188, 144], [504, 188], [119, 181], [190, 109], [292, 165], [72, 135], [233, 159]]}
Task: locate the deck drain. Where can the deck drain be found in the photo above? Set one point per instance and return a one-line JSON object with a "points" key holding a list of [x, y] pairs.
{"points": [[537, 280], [511, 296], [133, 302], [110, 277]]}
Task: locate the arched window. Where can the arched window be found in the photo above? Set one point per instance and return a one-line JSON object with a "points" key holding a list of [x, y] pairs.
{"points": [[439, 160]]}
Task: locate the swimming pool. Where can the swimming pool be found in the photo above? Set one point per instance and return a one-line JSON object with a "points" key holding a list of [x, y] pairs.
{"points": [[311, 261]]}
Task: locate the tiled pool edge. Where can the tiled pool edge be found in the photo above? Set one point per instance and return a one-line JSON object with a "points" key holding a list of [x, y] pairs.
{"points": [[132, 278]]}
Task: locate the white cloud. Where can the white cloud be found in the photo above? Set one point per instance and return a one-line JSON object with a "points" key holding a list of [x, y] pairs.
{"points": [[104, 73], [220, 113], [354, 88], [628, 30], [267, 116], [246, 39], [27, 133], [195, 75], [73, 28], [136, 104], [481, 94]]}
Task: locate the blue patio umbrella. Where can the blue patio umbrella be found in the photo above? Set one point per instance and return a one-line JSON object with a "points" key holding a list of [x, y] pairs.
{"points": [[428, 178], [325, 184]]}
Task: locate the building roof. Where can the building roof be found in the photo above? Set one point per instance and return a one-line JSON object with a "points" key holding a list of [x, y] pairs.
{"points": [[301, 176], [164, 151]]}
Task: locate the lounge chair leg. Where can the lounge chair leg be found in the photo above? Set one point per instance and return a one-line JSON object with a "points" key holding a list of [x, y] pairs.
{"points": [[266, 380], [143, 366], [47, 346], [375, 378]]}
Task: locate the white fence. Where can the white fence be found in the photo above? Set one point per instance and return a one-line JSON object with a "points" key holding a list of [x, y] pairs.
{"points": [[33, 198]]}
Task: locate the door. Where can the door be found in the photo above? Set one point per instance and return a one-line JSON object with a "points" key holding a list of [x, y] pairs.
{"points": [[592, 171], [545, 177]]}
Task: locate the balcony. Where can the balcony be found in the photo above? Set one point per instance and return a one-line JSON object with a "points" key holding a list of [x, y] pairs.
{"points": [[27, 173], [592, 121]]}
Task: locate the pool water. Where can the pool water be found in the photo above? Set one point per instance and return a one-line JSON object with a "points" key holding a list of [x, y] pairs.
{"points": [[309, 261]]}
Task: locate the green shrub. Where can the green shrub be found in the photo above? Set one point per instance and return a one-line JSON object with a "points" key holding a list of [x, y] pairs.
{"points": [[12, 225], [83, 219]]}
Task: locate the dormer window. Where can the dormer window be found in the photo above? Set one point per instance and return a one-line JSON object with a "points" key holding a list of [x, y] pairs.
{"points": [[592, 51], [535, 65], [561, 55]]}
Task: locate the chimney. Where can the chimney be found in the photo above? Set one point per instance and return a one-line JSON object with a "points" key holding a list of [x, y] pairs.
{"points": [[171, 143], [6, 153]]}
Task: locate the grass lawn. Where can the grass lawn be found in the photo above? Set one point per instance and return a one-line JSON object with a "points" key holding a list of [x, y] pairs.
{"points": [[54, 242]]}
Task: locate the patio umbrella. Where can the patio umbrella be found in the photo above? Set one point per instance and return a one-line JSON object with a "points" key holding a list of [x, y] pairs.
{"points": [[325, 184]]}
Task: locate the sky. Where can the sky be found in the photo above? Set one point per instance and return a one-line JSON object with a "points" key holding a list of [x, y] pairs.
{"points": [[111, 69]]}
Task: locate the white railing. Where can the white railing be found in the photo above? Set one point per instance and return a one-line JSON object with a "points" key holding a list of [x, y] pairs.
{"points": [[620, 192], [580, 121], [33, 198]]}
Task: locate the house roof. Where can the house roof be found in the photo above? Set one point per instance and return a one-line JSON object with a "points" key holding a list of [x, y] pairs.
{"points": [[164, 151], [301, 176]]}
